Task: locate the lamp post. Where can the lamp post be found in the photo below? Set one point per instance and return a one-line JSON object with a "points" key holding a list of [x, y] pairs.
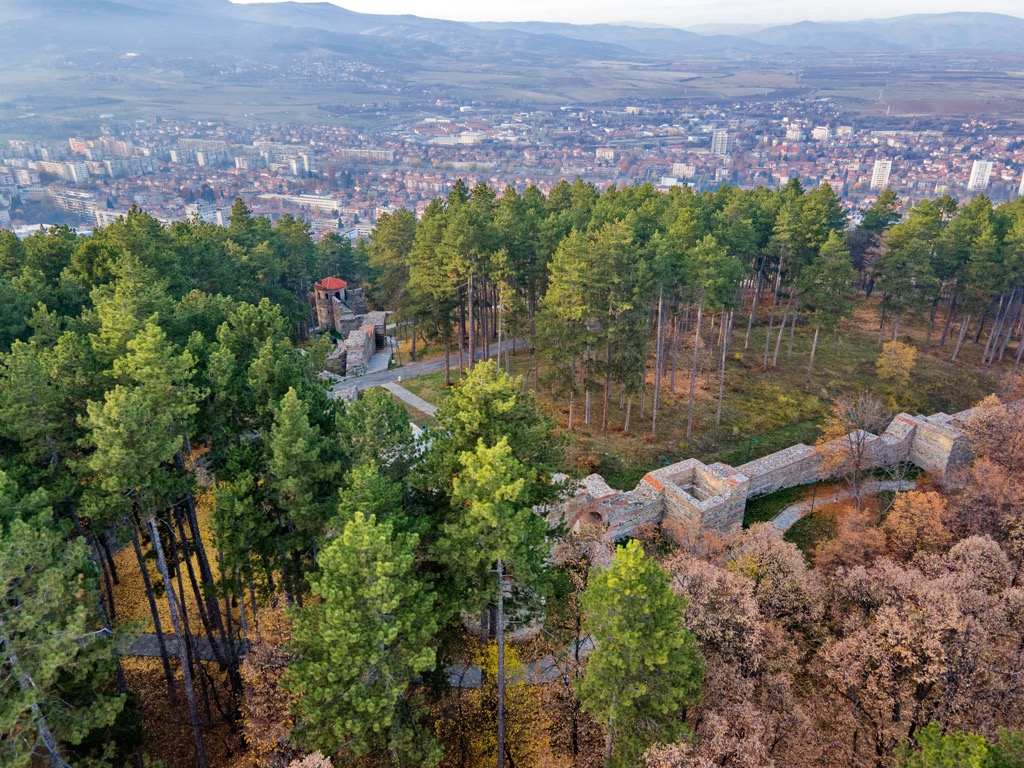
{"points": [[750, 447]]}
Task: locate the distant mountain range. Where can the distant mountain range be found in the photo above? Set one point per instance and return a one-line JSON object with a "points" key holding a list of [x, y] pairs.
{"points": [[61, 53], [209, 29]]}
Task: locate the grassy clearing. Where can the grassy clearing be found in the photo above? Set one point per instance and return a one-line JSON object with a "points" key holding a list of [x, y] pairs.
{"points": [[763, 410], [431, 386]]}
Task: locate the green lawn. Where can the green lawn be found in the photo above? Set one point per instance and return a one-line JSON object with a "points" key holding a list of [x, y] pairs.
{"points": [[811, 529], [431, 386]]}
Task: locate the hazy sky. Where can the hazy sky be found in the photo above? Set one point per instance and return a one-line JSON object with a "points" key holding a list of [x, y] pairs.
{"points": [[680, 13]]}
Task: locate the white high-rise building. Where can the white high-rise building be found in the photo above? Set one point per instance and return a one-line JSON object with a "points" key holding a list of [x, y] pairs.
{"points": [[880, 175], [1020, 189], [980, 173], [721, 143]]}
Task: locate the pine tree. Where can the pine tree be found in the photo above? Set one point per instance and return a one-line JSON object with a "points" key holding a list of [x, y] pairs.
{"points": [[56, 661], [359, 648], [300, 471], [376, 428], [136, 433], [826, 286], [645, 668], [489, 405], [495, 532], [493, 521]]}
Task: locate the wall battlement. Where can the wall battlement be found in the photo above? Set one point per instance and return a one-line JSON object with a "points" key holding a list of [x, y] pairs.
{"points": [[691, 493]]}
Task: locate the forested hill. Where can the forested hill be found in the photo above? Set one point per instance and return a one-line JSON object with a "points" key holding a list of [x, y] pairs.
{"points": [[171, 463]]}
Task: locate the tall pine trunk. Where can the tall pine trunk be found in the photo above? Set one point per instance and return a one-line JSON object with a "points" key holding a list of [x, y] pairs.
{"points": [[676, 343], [782, 329], [753, 306], [462, 335], [485, 326], [814, 348], [657, 361], [726, 335], [472, 325], [607, 382], [961, 336], [951, 312], [792, 329], [216, 620], [693, 373], [1011, 326], [151, 598], [501, 666], [191, 650], [500, 324], [172, 604], [931, 326], [26, 684], [448, 358], [896, 326], [771, 316]]}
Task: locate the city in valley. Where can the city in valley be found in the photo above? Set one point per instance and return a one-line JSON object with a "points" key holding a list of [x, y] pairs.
{"points": [[341, 179]]}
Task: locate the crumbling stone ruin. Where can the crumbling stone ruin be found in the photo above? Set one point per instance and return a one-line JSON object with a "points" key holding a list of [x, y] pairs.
{"points": [[342, 309], [358, 348], [690, 493]]}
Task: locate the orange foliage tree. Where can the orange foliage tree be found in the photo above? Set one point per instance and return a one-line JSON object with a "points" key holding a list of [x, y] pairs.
{"points": [[846, 438], [896, 362], [914, 524]]}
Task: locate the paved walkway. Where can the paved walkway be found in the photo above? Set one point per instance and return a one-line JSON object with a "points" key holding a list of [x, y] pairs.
{"points": [[785, 519], [146, 644], [542, 670], [410, 370], [415, 401]]}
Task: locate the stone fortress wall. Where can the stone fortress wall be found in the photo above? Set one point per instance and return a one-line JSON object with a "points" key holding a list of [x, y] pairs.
{"points": [[691, 493]]}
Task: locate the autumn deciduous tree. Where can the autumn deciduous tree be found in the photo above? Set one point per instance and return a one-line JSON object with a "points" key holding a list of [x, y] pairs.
{"points": [[996, 431], [314, 760], [846, 438], [781, 581], [750, 713], [896, 362], [916, 646], [915, 524], [858, 540], [266, 706], [645, 668]]}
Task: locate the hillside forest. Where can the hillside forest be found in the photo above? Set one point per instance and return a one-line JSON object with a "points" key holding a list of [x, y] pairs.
{"points": [[207, 560]]}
